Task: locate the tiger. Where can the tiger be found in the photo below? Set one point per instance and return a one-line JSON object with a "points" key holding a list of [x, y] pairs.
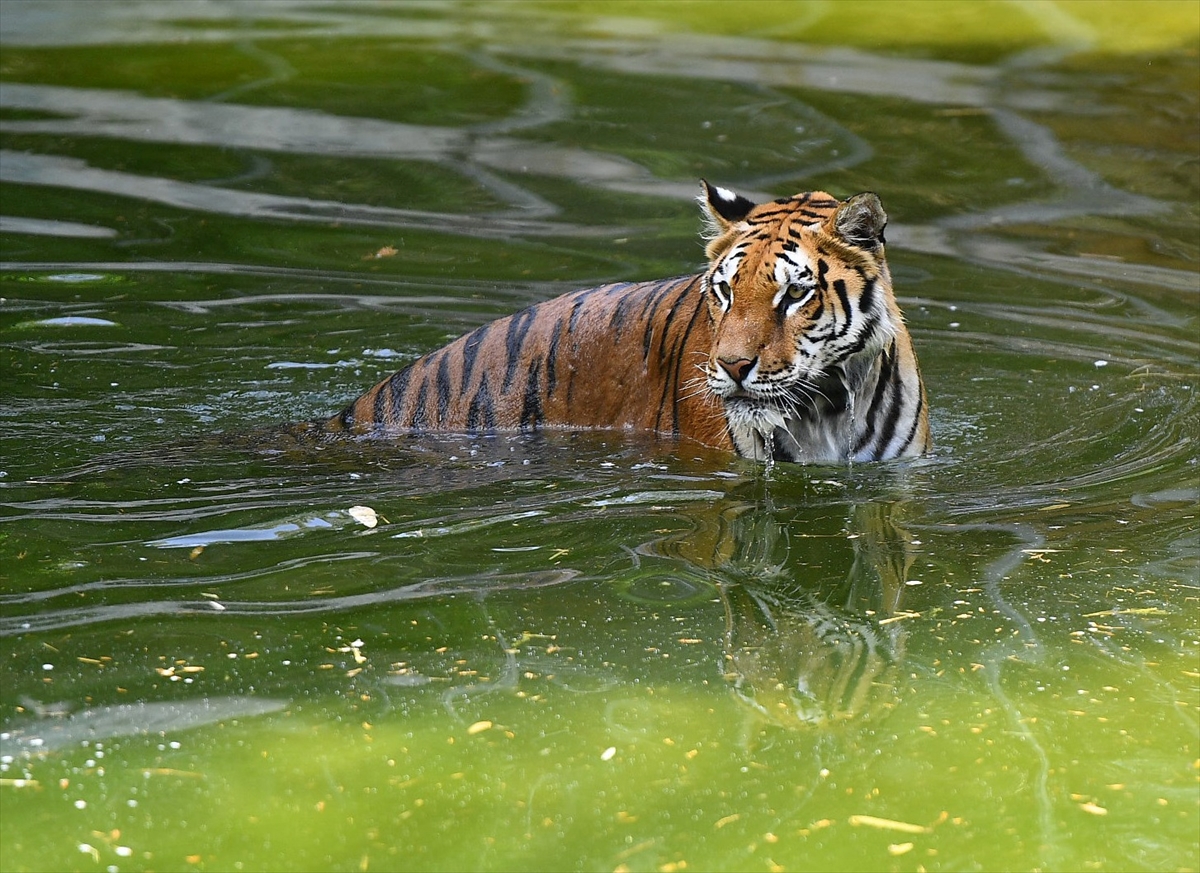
{"points": [[790, 346]]}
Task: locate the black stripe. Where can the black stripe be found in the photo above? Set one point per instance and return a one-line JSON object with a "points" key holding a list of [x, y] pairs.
{"points": [[379, 407], [666, 326], [867, 299], [419, 420], [839, 287], [778, 450], [552, 360], [443, 387], [617, 320], [816, 316], [346, 417], [398, 388], [393, 390], [647, 338], [864, 336], [654, 300], [837, 397], [676, 359], [658, 291], [886, 365], [912, 431], [481, 412], [531, 409], [785, 207], [649, 310], [894, 399], [470, 350], [767, 217], [822, 269], [580, 297], [819, 315], [514, 341]]}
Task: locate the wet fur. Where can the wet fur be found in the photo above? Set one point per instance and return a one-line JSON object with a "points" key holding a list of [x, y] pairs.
{"points": [[798, 287]]}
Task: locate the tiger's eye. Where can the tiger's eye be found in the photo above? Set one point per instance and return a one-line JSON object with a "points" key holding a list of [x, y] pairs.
{"points": [[798, 291]]}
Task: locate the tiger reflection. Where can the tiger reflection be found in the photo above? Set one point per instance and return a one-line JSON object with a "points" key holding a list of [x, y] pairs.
{"points": [[796, 654], [795, 661]]}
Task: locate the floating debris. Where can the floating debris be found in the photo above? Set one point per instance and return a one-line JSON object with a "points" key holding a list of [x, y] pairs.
{"points": [[888, 824], [364, 515]]}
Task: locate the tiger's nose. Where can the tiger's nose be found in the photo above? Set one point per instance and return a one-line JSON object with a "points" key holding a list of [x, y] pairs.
{"points": [[739, 369]]}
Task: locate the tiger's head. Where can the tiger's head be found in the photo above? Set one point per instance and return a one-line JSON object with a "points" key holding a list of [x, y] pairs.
{"points": [[801, 303]]}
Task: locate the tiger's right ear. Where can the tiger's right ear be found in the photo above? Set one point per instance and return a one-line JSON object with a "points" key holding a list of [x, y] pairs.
{"points": [[722, 207]]}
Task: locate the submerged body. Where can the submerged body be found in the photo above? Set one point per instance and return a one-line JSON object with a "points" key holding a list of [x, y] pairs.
{"points": [[789, 346]]}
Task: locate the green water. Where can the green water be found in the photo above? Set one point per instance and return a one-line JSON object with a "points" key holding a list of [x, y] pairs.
{"points": [[586, 651]]}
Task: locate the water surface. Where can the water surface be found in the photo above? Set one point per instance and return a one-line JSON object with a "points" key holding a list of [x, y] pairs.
{"points": [[588, 651]]}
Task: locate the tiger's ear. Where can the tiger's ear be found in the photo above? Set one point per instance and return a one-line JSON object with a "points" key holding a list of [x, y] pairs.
{"points": [[860, 221], [722, 207]]}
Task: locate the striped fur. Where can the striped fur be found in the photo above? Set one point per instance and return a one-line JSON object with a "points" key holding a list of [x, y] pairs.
{"points": [[790, 346]]}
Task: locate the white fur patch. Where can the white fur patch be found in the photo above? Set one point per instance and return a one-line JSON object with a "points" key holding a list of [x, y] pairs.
{"points": [[725, 193]]}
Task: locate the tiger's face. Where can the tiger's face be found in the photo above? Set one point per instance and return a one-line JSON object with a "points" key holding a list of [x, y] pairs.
{"points": [[799, 297]]}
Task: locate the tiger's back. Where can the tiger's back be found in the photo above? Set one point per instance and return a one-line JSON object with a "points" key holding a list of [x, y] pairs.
{"points": [[789, 346], [623, 356]]}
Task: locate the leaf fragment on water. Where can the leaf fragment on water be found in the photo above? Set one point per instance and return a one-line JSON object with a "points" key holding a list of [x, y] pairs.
{"points": [[169, 771], [1145, 610], [479, 727], [364, 515], [355, 648], [899, 848], [888, 824], [1093, 808]]}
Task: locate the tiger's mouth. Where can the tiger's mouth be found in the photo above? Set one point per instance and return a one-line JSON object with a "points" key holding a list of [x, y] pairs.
{"points": [[811, 431], [745, 405], [759, 428]]}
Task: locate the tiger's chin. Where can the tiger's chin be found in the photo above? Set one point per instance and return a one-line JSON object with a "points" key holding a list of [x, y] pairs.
{"points": [[762, 431]]}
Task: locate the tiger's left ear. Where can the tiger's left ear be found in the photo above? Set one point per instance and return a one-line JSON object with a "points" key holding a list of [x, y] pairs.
{"points": [[722, 207], [860, 221]]}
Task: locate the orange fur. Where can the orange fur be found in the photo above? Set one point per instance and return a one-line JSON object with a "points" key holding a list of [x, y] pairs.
{"points": [[652, 356]]}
